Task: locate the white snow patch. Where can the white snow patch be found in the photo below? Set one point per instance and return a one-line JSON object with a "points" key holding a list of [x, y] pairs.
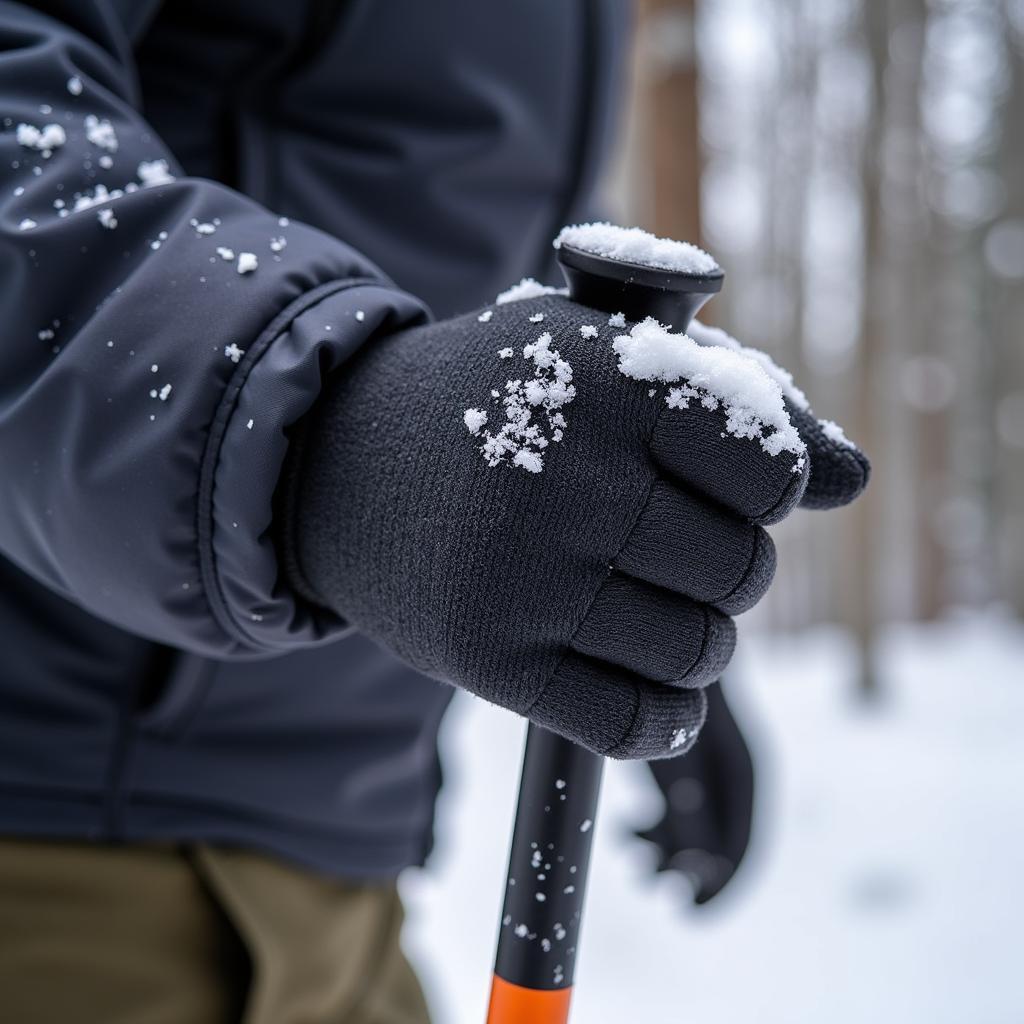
{"points": [[706, 335], [588, 331], [202, 227], [585, 826], [225, 253], [165, 392], [27, 224], [106, 218], [474, 419], [74, 85], [529, 460], [536, 318], [360, 315], [106, 162], [278, 244], [233, 352], [154, 172], [717, 376], [634, 245], [100, 132], [250, 424], [528, 288], [835, 433], [679, 737], [247, 262], [485, 316], [150, 174], [532, 420], [617, 320], [44, 140], [100, 194]]}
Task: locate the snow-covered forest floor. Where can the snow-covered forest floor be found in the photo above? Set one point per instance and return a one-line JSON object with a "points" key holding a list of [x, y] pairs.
{"points": [[886, 878]]}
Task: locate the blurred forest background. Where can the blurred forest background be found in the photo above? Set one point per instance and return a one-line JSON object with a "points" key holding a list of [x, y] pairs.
{"points": [[858, 170]]}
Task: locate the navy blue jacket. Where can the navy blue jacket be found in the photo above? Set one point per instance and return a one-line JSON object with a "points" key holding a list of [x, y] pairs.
{"points": [[159, 681]]}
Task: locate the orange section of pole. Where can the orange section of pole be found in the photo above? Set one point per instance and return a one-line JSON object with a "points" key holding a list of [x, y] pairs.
{"points": [[513, 1004]]}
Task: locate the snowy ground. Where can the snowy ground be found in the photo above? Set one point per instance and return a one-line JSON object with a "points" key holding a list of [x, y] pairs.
{"points": [[886, 881]]}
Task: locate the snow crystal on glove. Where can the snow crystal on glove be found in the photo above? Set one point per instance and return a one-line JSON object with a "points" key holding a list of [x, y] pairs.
{"points": [[634, 245], [715, 377], [474, 419], [532, 419], [705, 335], [835, 433]]}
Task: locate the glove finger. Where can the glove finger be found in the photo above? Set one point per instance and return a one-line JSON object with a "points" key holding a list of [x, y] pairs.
{"points": [[698, 549], [693, 445], [839, 470], [617, 713], [655, 633]]}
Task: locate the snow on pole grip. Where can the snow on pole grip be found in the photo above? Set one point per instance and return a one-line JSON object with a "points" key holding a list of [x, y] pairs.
{"points": [[629, 271]]}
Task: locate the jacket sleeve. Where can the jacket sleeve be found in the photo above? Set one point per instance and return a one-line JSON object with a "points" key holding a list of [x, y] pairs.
{"points": [[159, 336]]}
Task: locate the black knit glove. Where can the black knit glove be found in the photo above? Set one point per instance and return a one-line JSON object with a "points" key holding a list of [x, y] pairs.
{"points": [[496, 501]]}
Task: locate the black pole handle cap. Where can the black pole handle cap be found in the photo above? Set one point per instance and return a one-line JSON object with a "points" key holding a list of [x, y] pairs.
{"points": [[672, 297]]}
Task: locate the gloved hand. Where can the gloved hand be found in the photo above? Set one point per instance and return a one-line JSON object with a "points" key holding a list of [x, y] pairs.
{"points": [[709, 804], [557, 521]]}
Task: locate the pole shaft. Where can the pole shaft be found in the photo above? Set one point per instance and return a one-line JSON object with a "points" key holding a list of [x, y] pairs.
{"points": [[546, 881]]}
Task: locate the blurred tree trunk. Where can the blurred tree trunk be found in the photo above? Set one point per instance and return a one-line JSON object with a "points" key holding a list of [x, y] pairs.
{"points": [[788, 142], [862, 581], [916, 440], [1007, 304], [670, 108]]}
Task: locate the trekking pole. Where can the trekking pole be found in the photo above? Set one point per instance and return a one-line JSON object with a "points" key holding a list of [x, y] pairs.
{"points": [[558, 790]]}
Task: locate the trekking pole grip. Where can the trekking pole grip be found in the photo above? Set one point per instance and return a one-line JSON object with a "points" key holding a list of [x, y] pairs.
{"points": [[554, 828]]}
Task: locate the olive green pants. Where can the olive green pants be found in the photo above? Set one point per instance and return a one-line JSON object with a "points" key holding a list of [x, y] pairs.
{"points": [[160, 935]]}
